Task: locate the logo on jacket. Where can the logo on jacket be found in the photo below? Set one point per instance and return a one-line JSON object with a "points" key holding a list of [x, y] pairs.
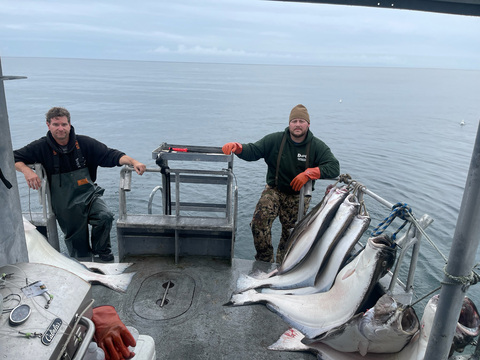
{"points": [[301, 157]]}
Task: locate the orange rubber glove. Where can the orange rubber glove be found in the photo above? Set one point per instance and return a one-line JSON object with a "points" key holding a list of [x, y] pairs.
{"points": [[111, 334], [302, 178], [230, 147]]}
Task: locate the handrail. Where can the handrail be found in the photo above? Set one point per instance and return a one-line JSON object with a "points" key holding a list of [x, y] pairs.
{"points": [[43, 191], [306, 190], [126, 184], [150, 198], [86, 339], [411, 239], [181, 224], [48, 217]]}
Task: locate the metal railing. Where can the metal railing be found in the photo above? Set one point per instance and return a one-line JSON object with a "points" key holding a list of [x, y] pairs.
{"points": [[176, 214], [46, 218], [411, 240]]}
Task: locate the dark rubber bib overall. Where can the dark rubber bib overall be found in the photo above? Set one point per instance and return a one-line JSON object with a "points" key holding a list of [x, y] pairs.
{"points": [[76, 202]]}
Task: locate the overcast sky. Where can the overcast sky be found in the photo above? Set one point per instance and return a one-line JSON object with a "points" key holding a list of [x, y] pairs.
{"points": [[238, 31]]}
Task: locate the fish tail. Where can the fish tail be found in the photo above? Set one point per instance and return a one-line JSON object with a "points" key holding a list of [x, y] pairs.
{"points": [[117, 282], [245, 282], [244, 298], [291, 340], [106, 268]]}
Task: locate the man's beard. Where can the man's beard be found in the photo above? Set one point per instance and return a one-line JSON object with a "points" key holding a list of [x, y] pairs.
{"points": [[298, 136]]}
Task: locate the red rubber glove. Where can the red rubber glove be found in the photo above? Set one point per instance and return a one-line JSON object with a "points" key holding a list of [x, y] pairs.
{"points": [[230, 147], [111, 334], [302, 178]]}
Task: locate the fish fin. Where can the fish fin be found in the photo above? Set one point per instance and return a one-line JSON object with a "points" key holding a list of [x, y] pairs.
{"points": [[117, 282], [291, 340], [243, 298], [271, 273], [258, 274], [40, 251], [246, 282], [363, 347], [106, 268], [415, 337], [348, 273], [27, 225]]}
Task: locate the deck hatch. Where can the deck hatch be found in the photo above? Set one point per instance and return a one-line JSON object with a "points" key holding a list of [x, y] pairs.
{"points": [[177, 301]]}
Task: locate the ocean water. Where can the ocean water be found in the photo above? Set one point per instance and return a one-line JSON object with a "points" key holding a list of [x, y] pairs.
{"points": [[395, 130]]}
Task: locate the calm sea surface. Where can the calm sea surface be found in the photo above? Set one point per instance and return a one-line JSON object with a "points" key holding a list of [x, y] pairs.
{"points": [[397, 131]]}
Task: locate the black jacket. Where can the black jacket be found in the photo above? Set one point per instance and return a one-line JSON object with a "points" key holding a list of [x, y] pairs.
{"points": [[94, 153]]}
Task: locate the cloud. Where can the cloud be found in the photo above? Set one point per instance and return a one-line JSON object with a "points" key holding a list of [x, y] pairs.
{"points": [[15, 26], [199, 50], [251, 31]]}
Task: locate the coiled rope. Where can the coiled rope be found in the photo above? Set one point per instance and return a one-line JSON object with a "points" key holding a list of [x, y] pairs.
{"points": [[356, 189], [401, 210], [466, 280]]}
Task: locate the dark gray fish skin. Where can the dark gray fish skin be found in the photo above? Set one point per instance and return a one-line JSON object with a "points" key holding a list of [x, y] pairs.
{"points": [[385, 260], [468, 326], [302, 238]]}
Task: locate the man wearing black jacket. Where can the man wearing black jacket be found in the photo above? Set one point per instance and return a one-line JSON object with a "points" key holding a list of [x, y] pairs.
{"points": [[71, 163]]}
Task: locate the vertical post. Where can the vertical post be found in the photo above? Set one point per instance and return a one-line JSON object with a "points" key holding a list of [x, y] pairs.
{"points": [[13, 248], [425, 221], [460, 263], [306, 190], [177, 214], [301, 204]]}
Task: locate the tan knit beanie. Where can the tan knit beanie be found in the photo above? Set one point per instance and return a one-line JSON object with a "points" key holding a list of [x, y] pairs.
{"points": [[299, 112]]}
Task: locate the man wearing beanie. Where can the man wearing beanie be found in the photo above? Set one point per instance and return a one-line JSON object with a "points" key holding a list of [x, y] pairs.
{"points": [[294, 156]]}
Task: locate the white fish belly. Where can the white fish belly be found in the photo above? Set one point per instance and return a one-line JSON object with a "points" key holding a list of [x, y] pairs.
{"points": [[40, 251]]}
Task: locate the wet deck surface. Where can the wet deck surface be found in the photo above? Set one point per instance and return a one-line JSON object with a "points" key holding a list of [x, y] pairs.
{"points": [[193, 322]]}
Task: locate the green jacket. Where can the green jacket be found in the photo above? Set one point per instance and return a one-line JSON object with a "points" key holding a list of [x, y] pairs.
{"points": [[293, 160]]}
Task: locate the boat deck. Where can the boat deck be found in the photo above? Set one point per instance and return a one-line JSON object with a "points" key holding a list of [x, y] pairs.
{"points": [[193, 323]]}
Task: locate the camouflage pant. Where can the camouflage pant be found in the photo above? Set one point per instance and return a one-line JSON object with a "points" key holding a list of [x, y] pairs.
{"points": [[274, 203]]}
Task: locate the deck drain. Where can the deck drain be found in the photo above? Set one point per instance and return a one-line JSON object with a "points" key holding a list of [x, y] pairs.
{"points": [[164, 301], [168, 284], [171, 288]]}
